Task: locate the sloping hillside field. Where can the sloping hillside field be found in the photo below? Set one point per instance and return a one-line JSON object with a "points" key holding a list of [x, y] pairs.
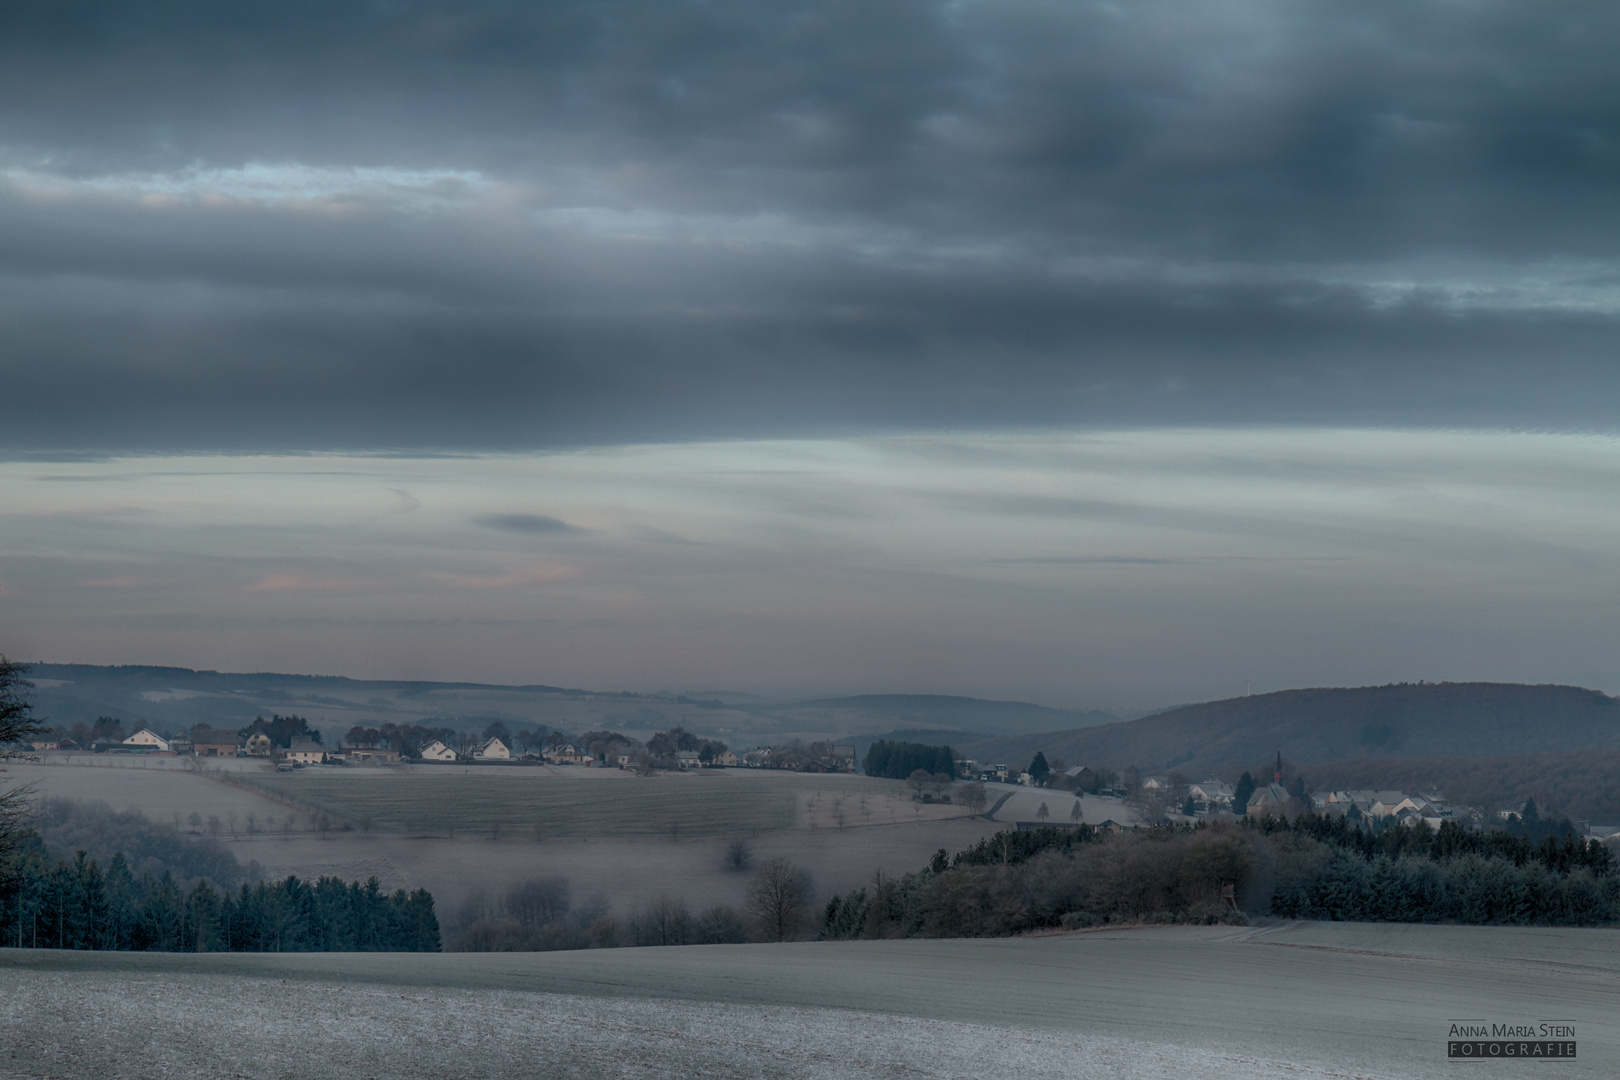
{"points": [[1300, 1000], [583, 804]]}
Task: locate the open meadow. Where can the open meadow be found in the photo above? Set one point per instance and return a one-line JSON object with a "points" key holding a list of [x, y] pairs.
{"points": [[1304, 1000]]}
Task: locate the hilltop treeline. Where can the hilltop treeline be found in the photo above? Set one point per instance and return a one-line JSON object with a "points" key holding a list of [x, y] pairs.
{"points": [[1313, 867], [898, 760], [75, 904]]}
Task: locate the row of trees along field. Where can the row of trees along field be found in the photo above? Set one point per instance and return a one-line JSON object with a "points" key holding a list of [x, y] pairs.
{"points": [[898, 760], [1311, 867], [78, 905]]}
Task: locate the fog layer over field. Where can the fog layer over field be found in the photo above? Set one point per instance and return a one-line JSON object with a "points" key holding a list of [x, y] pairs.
{"points": [[455, 830], [1301, 1000]]}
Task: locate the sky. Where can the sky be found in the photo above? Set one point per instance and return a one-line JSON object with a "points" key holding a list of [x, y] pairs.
{"points": [[1102, 355]]}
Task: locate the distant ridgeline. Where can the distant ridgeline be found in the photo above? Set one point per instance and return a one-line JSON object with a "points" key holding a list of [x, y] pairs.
{"points": [[1377, 725], [179, 896], [1313, 867], [898, 760]]}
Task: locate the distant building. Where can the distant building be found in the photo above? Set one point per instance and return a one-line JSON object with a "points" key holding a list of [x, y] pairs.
{"points": [[567, 755], [367, 753], [1155, 783], [1081, 776], [436, 751], [727, 759], [213, 742], [1031, 826], [1212, 794], [688, 759], [181, 743], [258, 744], [304, 752], [1272, 800], [147, 739], [493, 750], [843, 757]]}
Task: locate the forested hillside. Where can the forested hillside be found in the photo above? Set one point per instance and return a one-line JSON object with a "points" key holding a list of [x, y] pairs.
{"points": [[1402, 721]]}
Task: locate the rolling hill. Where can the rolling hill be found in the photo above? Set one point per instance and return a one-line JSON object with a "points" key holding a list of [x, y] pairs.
{"points": [[171, 698], [1402, 721]]}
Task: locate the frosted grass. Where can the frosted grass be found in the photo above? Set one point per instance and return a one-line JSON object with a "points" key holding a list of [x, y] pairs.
{"points": [[94, 1025]]}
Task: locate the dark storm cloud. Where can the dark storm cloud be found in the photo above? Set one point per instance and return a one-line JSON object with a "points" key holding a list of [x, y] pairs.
{"points": [[416, 225]]}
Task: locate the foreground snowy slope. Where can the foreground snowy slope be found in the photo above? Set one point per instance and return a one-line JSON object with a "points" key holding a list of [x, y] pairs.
{"points": [[1309, 1000]]}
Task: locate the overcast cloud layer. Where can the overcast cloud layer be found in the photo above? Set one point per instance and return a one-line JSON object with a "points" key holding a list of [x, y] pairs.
{"points": [[395, 226]]}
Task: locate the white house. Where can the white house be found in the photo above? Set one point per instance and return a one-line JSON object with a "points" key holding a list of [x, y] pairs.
{"points": [[1213, 794], [494, 750], [147, 739], [1155, 783], [304, 752], [688, 759], [437, 751]]}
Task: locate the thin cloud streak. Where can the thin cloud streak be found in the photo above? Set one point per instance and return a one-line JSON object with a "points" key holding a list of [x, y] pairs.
{"points": [[1201, 558]]}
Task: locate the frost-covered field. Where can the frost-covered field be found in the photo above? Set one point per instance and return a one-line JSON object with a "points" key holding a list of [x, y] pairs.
{"points": [[1297, 1000], [209, 1025]]}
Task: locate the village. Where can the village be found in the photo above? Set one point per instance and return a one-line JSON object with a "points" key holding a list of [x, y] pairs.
{"points": [[1168, 798]]}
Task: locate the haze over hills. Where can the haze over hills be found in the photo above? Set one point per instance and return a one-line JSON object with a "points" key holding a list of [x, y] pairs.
{"points": [[1421, 720], [173, 698]]}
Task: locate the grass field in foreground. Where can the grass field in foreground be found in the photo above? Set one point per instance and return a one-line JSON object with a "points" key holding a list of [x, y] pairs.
{"points": [[546, 807]]}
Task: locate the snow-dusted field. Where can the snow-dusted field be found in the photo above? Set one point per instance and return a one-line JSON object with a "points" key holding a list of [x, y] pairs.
{"points": [[1297, 1000]]}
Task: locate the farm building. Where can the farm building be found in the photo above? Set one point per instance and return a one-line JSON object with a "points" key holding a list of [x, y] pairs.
{"points": [[368, 753], [213, 742], [258, 745]]}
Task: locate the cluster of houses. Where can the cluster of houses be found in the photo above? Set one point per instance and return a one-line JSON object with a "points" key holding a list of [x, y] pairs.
{"points": [[818, 758]]}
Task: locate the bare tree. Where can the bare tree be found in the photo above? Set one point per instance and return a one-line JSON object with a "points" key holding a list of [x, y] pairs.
{"points": [[974, 797], [1043, 813], [538, 901], [778, 898], [919, 781], [663, 922], [739, 856], [17, 722], [1076, 813]]}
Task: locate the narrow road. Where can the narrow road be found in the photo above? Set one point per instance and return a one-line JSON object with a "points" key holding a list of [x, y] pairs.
{"points": [[990, 814]]}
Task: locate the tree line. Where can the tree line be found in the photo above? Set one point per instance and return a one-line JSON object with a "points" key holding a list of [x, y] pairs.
{"points": [[75, 904], [898, 760], [1312, 867], [538, 916]]}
